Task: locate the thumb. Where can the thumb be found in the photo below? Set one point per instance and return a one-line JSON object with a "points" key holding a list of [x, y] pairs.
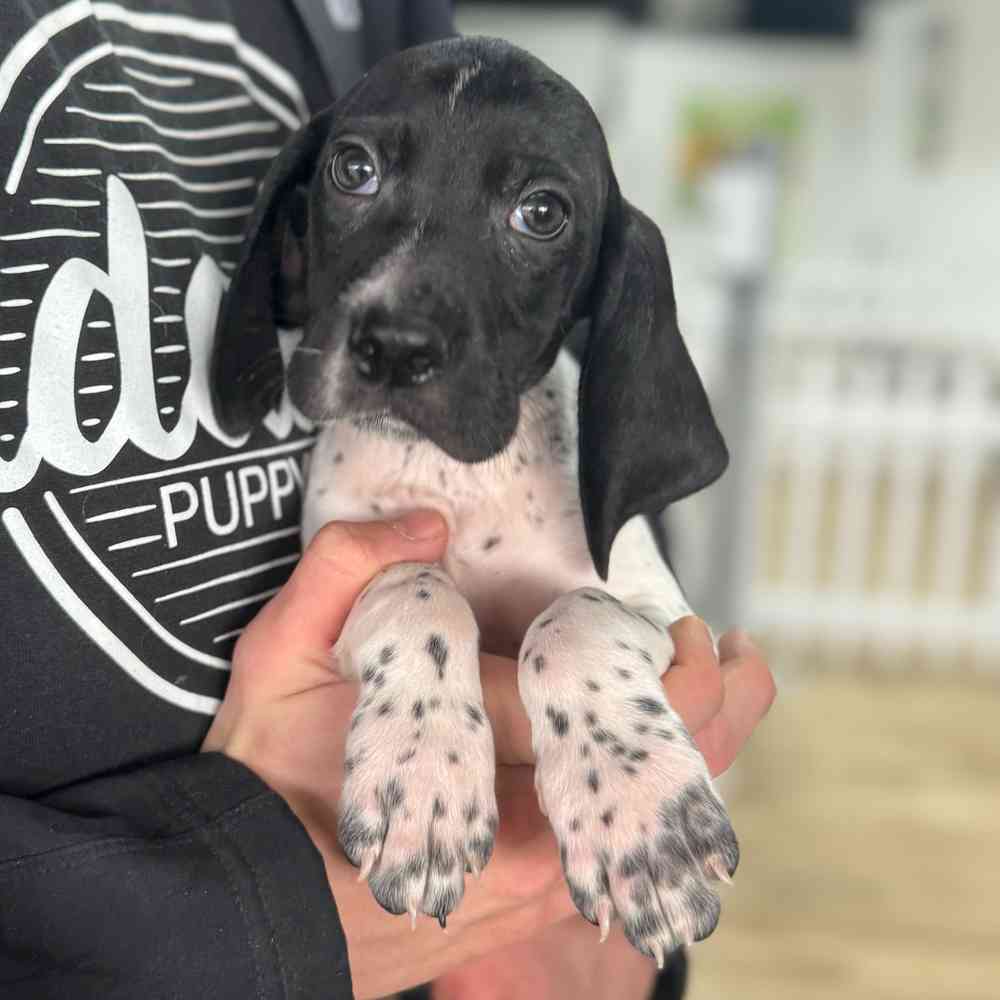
{"points": [[306, 615]]}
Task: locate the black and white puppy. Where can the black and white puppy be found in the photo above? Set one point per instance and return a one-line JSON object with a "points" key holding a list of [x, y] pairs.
{"points": [[437, 234]]}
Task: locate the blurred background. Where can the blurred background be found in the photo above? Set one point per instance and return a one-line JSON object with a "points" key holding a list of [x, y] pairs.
{"points": [[825, 173]]}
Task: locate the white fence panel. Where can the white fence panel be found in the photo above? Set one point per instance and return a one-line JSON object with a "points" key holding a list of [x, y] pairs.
{"points": [[889, 522]]}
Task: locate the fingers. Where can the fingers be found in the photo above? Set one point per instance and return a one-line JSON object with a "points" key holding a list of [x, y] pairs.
{"points": [[749, 691], [307, 614], [694, 682]]}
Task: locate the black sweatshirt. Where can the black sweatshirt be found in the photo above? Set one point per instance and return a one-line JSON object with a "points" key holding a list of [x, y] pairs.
{"points": [[136, 538]]}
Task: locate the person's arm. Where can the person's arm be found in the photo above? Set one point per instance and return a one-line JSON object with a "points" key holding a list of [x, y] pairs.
{"points": [[185, 879]]}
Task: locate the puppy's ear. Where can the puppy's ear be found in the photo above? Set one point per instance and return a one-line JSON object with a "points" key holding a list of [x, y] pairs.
{"points": [[268, 286], [647, 434]]}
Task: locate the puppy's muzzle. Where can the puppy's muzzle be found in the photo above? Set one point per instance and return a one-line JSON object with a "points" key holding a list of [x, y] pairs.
{"points": [[396, 354]]}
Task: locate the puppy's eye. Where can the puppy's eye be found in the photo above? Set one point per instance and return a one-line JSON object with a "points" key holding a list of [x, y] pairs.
{"points": [[541, 215], [354, 172]]}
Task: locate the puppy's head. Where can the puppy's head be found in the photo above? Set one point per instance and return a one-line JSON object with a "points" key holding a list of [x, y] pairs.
{"points": [[436, 234]]}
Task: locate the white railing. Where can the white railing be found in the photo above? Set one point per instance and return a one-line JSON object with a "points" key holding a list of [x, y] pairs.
{"points": [[875, 520]]}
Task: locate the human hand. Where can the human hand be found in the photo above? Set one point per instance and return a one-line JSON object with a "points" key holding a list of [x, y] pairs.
{"points": [[286, 712]]}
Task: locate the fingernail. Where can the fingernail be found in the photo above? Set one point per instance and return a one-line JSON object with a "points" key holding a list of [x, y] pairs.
{"points": [[739, 641], [420, 525]]}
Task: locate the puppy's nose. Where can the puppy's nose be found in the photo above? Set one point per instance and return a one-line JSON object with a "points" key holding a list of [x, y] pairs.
{"points": [[397, 355]]}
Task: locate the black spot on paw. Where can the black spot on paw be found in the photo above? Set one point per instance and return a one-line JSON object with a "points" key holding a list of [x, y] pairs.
{"points": [[434, 704], [437, 648], [584, 749], [390, 796], [481, 849], [407, 756], [491, 543], [474, 714], [452, 757], [545, 623], [603, 882], [593, 781], [574, 824], [379, 680], [623, 645], [385, 708], [705, 826], [640, 926], [470, 813], [646, 655], [417, 711], [608, 817], [593, 685], [438, 810], [355, 833], [625, 675], [583, 899], [415, 866], [670, 859], [539, 663], [559, 720], [634, 862], [442, 859], [368, 674], [388, 654], [637, 754], [649, 705], [391, 888], [424, 595], [705, 907]]}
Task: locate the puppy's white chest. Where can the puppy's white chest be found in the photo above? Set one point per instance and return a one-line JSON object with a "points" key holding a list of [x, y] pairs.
{"points": [[516, 536]]}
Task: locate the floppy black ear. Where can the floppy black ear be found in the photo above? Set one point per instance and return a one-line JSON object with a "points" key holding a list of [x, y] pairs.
{"points": [[647, 434], [267, 287]]}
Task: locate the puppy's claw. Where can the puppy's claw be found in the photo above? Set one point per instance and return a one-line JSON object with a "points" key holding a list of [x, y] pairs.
{"points": [[368, 861], [604, 917], [657, 950], [413, 916], [716, 867], [443, 921]]}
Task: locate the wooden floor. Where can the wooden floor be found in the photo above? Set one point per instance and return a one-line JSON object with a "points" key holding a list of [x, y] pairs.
{"points": [[868, 810]]}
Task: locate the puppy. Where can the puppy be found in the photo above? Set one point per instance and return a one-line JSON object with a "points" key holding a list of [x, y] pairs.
{"points": [[437, 234]]}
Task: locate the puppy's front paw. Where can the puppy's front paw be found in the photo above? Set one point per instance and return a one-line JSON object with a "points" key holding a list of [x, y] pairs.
{"points": [[643, 835], [418, 806]]}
